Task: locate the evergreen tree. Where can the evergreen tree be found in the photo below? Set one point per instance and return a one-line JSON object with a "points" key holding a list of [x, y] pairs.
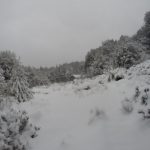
{"points": [[18, 86], [8, 61], [143, 34], [128, 52]]}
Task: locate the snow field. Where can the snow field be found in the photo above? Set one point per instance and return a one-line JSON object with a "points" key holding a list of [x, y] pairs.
{"points": [[72, 118]]}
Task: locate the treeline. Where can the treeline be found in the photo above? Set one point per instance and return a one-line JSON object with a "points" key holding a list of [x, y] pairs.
{"points": [[125, 52], [62, 73], [14, 75]]}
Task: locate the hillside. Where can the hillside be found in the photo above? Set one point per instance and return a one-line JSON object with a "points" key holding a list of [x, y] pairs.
{"points": [[94, 113]]}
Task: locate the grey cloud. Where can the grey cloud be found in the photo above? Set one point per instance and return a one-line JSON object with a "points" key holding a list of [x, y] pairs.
{"points": [[50, 32]]}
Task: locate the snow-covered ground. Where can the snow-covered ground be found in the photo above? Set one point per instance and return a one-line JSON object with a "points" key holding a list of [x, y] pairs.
{"points": [[87, 114]]}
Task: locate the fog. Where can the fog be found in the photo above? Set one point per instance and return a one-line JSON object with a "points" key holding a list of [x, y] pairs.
{"points": [[50, 32]]}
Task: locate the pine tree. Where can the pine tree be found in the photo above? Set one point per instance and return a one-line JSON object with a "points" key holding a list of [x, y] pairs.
{"points": [[128, 52], [19, 87], [8, 61]]}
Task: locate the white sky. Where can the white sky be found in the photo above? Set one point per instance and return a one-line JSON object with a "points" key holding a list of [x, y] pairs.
{"points": [[50, 32]]}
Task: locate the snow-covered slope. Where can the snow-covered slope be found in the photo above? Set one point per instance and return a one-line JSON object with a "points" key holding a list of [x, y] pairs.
{"points": [[88, 114]]}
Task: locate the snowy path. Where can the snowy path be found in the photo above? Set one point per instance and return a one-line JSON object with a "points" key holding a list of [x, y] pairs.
{"points": [[67, 121]]}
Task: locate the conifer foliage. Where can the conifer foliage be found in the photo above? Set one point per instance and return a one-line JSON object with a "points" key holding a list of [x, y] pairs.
{"points": [[19, 87], [12, 77]]}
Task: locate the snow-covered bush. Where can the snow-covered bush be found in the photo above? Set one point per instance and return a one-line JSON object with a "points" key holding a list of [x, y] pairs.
{"points": [[144, 101], [116, 74], [137, 94], [140, 102], [141, 99], [145, 97], [15, 127], [140, 69]]}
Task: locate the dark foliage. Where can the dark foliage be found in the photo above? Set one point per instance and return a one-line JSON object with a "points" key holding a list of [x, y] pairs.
{"points": [[45, 76], [125, 52], [143, 34]]}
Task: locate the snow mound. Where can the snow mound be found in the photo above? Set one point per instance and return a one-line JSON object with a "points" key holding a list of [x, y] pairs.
{"points": [[140, 69]]}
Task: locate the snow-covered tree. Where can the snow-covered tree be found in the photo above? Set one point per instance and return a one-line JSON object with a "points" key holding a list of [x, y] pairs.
{"points": [[8, 61], [143, 34], [100, 59], [128, 52], [18, 86], [13, 80]]}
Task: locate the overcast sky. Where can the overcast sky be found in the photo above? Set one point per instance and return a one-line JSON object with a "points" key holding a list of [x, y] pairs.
{"points": [[50, 32]]}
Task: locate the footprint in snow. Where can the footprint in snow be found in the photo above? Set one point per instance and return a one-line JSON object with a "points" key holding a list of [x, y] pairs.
{"points": [[96, 115]]}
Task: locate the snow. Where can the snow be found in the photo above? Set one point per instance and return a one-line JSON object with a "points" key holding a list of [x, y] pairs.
{"points": [[74, 118], [15, 128]]}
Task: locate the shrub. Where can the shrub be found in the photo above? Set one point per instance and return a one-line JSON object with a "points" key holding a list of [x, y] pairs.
{"points": [[15, 128], [119, 77], [143, 99], [116, 74], [137, 94], [146, 113]]}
